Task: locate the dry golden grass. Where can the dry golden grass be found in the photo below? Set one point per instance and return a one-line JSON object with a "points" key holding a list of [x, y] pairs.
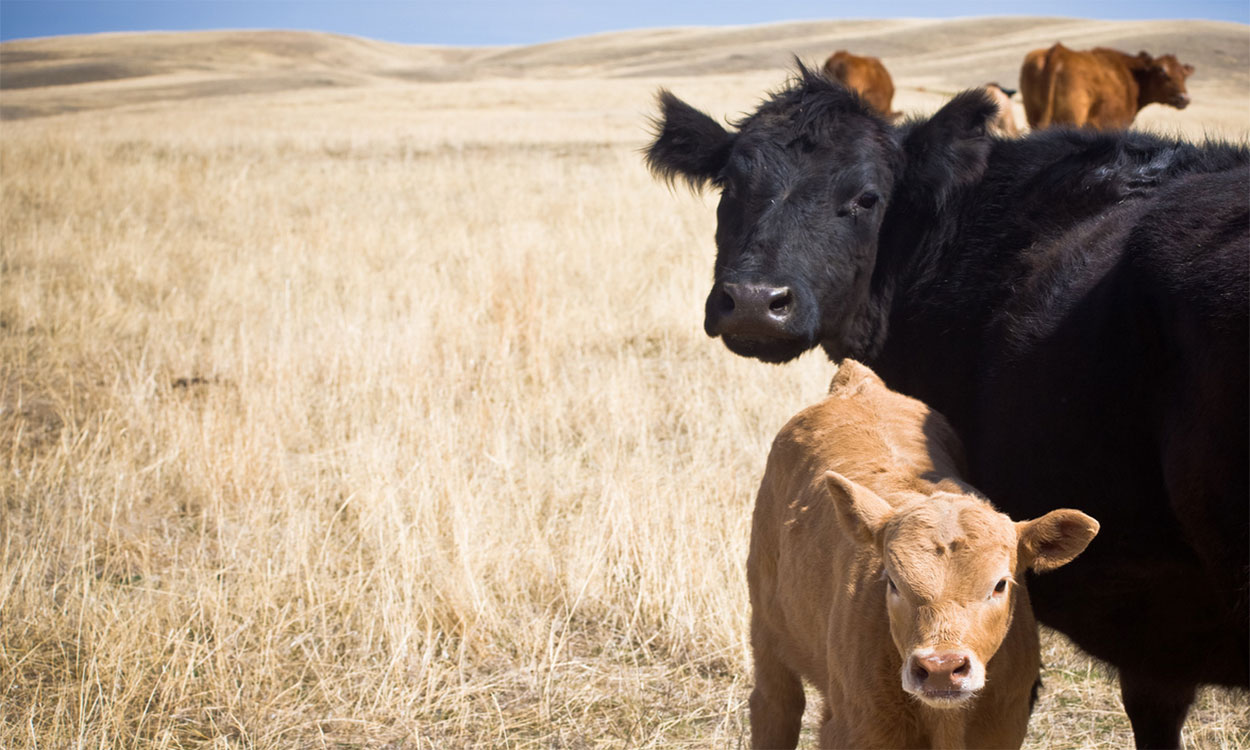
{"points": [[380, 415]]}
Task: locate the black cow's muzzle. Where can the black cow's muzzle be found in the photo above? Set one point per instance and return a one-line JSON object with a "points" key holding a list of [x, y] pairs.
{"points": [[756, 319], [749, 309]]}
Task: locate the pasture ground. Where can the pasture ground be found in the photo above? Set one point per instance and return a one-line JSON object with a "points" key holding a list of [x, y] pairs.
{"points": [[356, 396]]}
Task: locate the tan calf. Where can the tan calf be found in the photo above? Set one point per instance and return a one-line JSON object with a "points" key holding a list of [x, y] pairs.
{"points": [[879, 576], [1004, 123]]}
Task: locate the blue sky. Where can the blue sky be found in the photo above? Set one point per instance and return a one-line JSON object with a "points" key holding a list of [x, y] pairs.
{"points": [[489, 22]]}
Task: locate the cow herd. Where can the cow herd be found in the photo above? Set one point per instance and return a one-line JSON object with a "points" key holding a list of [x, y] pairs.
{"points": [[1099, 88], [1059, 321]]}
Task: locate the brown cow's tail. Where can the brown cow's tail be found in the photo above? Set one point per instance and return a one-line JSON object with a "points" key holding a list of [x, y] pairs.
{"points": [[1050, 73]]}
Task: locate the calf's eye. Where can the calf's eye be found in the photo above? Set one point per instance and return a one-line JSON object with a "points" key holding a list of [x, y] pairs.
{"points": [[1000, 587]]}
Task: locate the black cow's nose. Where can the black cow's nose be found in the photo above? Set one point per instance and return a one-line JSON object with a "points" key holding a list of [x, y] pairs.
{"points": [[749, 309], [755, 299]]}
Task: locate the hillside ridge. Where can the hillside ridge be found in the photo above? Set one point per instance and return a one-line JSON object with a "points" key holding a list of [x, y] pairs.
{"points": [[56, 75]]}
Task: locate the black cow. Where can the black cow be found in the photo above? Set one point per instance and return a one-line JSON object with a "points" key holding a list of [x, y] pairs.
{"points": [[1075, 303]]}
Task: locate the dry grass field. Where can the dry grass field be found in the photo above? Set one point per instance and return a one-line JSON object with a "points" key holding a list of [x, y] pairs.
{"points": [[355, 395]]}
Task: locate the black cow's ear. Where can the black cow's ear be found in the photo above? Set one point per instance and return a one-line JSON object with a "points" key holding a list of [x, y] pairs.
{"points": [[950, 150], [688, 144]]}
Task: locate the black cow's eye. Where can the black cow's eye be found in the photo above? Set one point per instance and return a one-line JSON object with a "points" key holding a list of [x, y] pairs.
{"points": [[867, 200]]}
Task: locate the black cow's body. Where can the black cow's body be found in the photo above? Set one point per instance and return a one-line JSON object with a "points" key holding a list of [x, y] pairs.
{"points": [[1075, 303]]}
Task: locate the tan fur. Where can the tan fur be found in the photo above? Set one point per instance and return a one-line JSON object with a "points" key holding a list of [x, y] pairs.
{"points": [[863, 483], [865, 75], [1099, 88], [1004, 123], [1034, 92]]}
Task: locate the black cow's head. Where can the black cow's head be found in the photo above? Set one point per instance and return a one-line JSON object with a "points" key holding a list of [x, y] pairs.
{"points": [[805, 182]]}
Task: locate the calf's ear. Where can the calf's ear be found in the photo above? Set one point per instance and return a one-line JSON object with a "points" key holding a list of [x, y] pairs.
{"points": [[861, 512], [950, 150], [1055, 539], [688, 144]]}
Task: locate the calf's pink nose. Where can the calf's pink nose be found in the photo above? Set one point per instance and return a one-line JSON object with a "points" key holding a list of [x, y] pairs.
{"points": [[940, 671]]}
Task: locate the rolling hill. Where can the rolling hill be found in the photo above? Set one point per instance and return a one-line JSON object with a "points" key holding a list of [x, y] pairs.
{"points": [[52, 76]]}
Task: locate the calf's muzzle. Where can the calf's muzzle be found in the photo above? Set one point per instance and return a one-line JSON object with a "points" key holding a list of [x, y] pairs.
{"points": [[942, 676]]}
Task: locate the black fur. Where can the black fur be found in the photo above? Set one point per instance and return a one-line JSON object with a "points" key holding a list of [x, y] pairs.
{"points": [[1074, 302], [688, 144]]}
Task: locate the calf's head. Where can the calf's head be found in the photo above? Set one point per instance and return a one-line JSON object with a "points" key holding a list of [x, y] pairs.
{"points": [[952, 567], [805, 183]]}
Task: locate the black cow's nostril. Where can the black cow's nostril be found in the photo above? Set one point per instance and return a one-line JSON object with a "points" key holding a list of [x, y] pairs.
{"points": [[781, 302], [726, 305]]}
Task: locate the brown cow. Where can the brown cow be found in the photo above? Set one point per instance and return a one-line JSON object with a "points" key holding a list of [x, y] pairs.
{"points": [[1004, 123], [866, 76], [878, 575], [1099, 88]]}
